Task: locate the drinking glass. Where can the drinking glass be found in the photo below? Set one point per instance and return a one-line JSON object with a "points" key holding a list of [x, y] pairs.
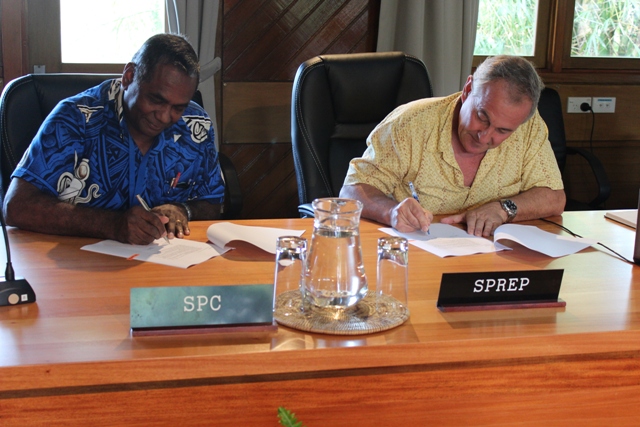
{"points": [[393, 272], [290, 261]]}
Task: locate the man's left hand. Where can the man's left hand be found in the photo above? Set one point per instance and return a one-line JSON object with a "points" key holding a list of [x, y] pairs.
{"points": [[178, 225], [481, 221]]}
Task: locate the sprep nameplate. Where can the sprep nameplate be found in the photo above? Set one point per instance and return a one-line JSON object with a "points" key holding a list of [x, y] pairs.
{"points": [[500, 289], [194, 306]]}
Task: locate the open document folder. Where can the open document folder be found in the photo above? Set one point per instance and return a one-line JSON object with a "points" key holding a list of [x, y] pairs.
{"points": [[185, 253], [446, 240]]}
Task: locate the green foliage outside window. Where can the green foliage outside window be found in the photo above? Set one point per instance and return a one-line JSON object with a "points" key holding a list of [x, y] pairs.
{"points": [[506, 27], [606, 28]]}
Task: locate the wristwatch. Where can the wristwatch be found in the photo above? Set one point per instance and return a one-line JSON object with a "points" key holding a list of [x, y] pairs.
{"points": [[510, 208]]}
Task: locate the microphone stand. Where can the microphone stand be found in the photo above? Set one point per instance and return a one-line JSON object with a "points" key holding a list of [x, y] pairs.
{"points": [[13, 291]]}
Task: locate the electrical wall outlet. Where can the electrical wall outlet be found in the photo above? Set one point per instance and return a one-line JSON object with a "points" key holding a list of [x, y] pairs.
{"points": [[603, 105], [573, 106]]}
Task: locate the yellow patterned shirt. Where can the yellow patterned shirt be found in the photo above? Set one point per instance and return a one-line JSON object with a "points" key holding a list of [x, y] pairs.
{"points": [[413, 143]]}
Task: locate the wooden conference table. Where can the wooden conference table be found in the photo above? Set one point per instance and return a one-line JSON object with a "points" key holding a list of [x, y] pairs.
{"points": [[70, 360]]}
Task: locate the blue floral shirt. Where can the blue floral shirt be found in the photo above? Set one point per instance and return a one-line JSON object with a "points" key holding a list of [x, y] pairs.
{"points": [[84, 154]]}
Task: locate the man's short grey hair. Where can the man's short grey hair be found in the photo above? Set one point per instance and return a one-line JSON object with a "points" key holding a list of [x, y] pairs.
{"points": [[519, 73]]}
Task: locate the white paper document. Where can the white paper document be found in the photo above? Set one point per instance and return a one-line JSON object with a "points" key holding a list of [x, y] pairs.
{"points": [[553, 245], [179, 253], [265, 238], [626, 217], [185, 253], [446, 240]]}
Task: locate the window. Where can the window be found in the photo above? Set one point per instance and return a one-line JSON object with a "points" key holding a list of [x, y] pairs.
{"points": [[605, 34], [606, 29], [506, 27], [562, 35], [512, 27], [107, 31]]}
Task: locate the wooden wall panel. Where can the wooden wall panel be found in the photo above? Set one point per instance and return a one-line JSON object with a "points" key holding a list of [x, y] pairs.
{"points": [[267, 40], [256, 111], [621, 160], [263, 42], [620, 125], [267, 179], [616, 142], [12, 40]]}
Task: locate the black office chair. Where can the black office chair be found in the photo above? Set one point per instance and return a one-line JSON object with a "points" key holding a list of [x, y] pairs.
{"points": [[550, 108], [336, 102], [26, 102]]}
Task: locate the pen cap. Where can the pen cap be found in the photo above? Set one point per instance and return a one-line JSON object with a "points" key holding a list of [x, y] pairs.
{"points": [[636, 250]]}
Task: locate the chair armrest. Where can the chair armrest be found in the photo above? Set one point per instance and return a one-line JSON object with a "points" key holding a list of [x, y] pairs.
{"points": [[232, 193], [604, 187], [306, 210]]}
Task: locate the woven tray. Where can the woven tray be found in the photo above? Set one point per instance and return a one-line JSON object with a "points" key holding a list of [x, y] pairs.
{"points": [[371, 314]]}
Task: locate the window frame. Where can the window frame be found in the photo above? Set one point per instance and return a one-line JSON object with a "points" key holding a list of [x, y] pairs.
{"points": [[569, 62], [540, 57], [44, 24], [553, 46]]}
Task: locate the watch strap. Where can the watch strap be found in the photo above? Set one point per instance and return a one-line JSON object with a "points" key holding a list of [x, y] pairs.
{"points": [[188, 209]]}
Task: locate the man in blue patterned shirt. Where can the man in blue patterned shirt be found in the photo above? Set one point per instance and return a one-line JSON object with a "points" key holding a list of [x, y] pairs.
{"points": [[138, 135]]}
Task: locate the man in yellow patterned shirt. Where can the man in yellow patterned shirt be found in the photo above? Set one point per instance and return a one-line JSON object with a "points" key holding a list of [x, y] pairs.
{"points": [[481, 156]]}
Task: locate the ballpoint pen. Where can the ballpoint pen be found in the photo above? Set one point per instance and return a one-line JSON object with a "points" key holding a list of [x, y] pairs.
{"points": [[415, 196], [148, 209]]}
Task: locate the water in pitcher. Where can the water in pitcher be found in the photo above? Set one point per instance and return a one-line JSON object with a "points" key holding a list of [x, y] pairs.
{"points": [[334, 275]]}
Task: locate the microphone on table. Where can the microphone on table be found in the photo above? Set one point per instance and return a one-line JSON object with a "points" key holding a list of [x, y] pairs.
{"points": [[13, 291]]}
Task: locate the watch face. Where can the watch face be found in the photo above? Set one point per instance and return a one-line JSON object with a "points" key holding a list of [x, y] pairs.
{"points": [[510, 205]]}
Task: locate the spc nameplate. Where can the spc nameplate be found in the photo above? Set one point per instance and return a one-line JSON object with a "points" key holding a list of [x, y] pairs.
{"points": [[500, 289], [193, 306]]}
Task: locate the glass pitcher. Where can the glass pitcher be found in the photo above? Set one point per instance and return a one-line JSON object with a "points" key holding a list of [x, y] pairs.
{"points": [[334, 274]]}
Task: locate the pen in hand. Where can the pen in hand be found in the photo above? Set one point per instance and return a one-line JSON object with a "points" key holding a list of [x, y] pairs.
{"points": [[148, 209], [415, 196]]}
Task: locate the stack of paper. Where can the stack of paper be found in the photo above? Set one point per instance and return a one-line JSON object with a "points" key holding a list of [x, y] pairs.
{"points": [[627, 217]]}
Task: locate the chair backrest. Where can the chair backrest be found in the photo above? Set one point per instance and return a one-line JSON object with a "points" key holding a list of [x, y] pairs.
{"points": [[550, 109], [337, 100], [25, 103]]}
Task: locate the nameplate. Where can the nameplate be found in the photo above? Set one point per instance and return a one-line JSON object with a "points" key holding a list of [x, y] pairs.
{"points": [[500, 290], [201, 306]]}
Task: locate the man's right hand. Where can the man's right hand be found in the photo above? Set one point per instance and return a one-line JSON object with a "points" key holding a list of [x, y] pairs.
{"points": [[139, 227], [405, 216], [29, 208], [409, 216]]}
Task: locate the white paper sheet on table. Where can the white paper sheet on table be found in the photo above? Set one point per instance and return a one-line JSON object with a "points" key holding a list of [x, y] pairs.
{"points": [[553, 245], [185, 253], [265, 238], [446, 240], [179, 253]]}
